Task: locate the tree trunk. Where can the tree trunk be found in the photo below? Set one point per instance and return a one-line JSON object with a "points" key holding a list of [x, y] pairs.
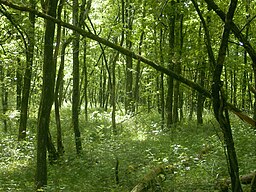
{"points": [[137, 77], [162, 108], [18, 85], [245, 73], [76, 78], [85, 82], [170, 83], [57, 98], [27, 76], [178, 68], [138, 66], [4, 95], [60, 147], [201, 97], [129, 75], [47, 97], [219, 102]]}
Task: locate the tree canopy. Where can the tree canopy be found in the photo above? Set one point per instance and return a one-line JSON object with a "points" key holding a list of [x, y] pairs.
{"points": [[180, 57]]}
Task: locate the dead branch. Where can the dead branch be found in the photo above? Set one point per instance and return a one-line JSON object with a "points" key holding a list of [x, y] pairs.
{"points": [[150, 178]]}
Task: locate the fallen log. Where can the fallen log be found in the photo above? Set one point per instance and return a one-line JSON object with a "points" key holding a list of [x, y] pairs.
{"points": [[248, 179], [151, 179], [245, 179]]}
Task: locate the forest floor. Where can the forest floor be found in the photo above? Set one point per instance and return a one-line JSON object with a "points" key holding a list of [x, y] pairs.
{"points": [[193, 155]]}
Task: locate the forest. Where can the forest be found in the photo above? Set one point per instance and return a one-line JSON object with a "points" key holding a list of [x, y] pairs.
{"points": [[128, 95]]}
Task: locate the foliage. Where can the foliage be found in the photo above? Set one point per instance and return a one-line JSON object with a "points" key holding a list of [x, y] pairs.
{"points": [[194, 153]]}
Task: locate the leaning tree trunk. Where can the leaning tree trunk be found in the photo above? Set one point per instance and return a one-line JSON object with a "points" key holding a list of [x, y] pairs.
{"points": [[219, 102], [47, 97], [60, 147]]}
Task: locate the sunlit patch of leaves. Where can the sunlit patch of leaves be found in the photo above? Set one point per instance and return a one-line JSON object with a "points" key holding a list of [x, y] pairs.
{"points": [[16, 158], [15, 153]]}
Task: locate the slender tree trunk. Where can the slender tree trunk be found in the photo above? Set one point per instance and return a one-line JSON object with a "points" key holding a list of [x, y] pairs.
{"points": [[200, 96], [176, 101], [76, 77], [219, 102], [129, 75], [27, 76], [138, 66], [162, 81], [170, 83], [60, 147], [178, 69], [113, 90], [234, 87], [47, 97], [4, 95], [137, 77], [101, 102], [113, 87], [244, 78], [85, 82], [57, 100], [18, 85], [104, 90]]}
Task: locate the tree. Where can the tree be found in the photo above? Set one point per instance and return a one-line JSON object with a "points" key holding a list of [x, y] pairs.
{"points": [[219, 101], [76, 80], [129, 67], [186, 49], [59, 81], [47, 97], [27, 76], [4, 93], [169, 98]]}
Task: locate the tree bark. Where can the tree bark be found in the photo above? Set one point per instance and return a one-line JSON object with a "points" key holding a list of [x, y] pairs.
{"points": [[60, 147], [27, 76], [85, 82], [162, 107], [129, 75], [47, 97], [76, 81], [170, 83], [219, 102], [4, 95], [18, 85], [57, 100]]}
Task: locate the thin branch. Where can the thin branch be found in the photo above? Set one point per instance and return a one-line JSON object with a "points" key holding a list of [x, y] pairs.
{"points": [[248, 23]]}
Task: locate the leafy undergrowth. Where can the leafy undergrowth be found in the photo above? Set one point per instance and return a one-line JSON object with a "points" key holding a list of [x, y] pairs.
{"points": [[194, 153]]}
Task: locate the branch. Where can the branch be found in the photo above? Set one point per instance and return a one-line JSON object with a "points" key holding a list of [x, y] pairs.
{"points": [[246, 44], [17, 26], [207, 34], [248, 23]]}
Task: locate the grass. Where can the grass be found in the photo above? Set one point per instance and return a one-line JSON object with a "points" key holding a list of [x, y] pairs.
{"points": [[195, 153]]}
